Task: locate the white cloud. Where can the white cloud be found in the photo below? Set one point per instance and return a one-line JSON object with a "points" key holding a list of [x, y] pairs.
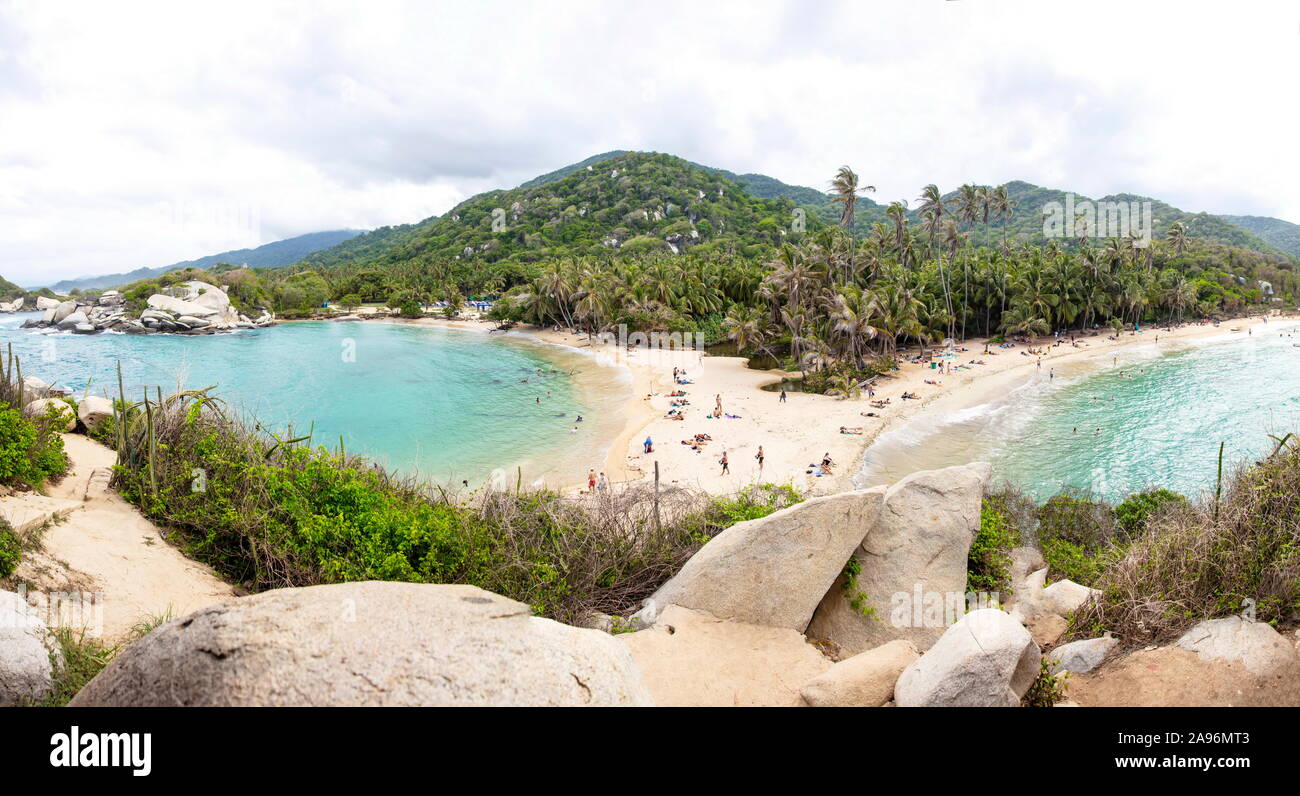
{"points": [[141, 134]]}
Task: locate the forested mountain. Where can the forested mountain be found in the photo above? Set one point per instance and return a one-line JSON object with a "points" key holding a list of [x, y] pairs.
{"points": [[629, 203], [1274, 231], [270, 255], [1024, 225]]}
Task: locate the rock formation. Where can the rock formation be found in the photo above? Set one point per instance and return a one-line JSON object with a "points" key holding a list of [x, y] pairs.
{"points": [[186, 308], [370, 643]]}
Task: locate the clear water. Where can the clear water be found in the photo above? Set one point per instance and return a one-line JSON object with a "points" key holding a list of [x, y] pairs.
{"points": [[444, 404], [1158, 424]]}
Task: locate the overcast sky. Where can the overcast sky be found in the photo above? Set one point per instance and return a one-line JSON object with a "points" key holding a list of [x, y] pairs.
{"points": [[142, 134]]}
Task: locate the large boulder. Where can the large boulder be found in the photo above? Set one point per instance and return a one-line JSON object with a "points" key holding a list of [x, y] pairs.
{"points": [[1081, 657], [866, 680], [44, 303], [1066, 596], [25, 668], [1024, 560], [1255, 645], [912, 579], [207, 295], [42, 406], [62, 311], [985, 660], [176, 307], [369, 643], [773, 571], [35, 386], [692, 659], [94, 410], [73, 320]]}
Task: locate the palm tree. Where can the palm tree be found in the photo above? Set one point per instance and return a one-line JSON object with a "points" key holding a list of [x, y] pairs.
{"points": [[845, 190], [1022, 320], [932, 210], [1177, 236]]}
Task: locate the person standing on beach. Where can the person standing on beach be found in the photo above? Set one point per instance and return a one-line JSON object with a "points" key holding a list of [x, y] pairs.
{"points": [[726, 467], [759, 457], [591, 480], [782, 395], [649, 445]]}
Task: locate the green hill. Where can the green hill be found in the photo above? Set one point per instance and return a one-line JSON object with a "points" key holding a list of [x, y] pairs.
{"points": [[1274, 231], [9, 291], [631, 202]]}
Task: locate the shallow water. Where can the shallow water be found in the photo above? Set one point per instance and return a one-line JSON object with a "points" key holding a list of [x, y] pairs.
{"points": [[445, 404], [1148, 420]]}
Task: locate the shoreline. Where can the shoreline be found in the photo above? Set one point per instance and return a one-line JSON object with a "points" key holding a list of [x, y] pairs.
{"points": [[797, 434]]}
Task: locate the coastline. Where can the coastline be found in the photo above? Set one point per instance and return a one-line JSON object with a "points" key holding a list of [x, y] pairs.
{"points": [[797, 434]]}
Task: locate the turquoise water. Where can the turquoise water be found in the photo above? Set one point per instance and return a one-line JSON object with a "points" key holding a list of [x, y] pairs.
{"points": [[445, 404], [1114, 428]]}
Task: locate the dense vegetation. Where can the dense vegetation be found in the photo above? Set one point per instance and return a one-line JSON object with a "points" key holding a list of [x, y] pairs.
{"points": [[1238, 552], [268, 513], [31, 449], [1280, 234], [1161, 562]]}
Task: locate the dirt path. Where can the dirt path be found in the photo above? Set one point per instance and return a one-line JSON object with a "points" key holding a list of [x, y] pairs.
{"points": [[107, 546]]}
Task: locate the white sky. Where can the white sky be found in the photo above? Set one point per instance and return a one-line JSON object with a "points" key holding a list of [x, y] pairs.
{"points": [[140, 134]]}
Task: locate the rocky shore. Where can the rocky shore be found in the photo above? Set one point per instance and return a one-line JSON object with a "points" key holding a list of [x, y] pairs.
{"points": [[187, 308]]}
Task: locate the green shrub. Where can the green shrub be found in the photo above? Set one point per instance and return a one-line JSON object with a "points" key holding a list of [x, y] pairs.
{"points": [[988, 568], [30, 452], [11, 552], [1074, 532], [1132, 514], [1047, 689]]}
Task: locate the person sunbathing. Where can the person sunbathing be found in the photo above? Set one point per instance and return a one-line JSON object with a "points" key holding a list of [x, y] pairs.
{"points": [[851, 430]]}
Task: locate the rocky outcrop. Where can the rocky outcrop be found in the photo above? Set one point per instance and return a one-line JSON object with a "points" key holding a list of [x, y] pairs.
{"points": [[369, 643], [691, 659], [25, 668], [1081, 657], [987, 659], [12, 306], [187, 308], [775, 570], [1255, 645], [866, 680], [913, 564]]}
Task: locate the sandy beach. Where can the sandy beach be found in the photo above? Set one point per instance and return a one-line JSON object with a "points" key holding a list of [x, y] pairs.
{"points": [[797, 434]]}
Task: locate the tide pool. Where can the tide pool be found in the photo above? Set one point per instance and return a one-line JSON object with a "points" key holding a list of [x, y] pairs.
{"points": [[445, 404], [1146, 420]]}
